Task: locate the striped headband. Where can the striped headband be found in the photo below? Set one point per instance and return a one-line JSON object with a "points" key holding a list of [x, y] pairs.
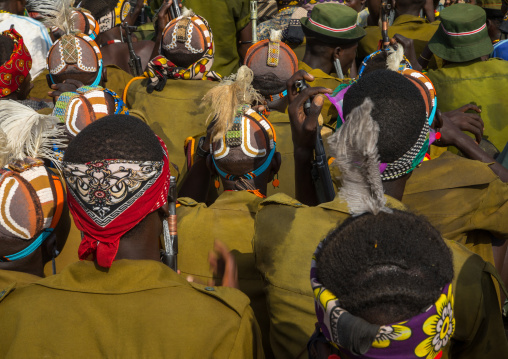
{"points": [[465, 33], [331, 28]]}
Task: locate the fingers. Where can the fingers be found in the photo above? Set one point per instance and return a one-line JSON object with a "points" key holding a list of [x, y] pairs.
{"points": [[299, 75], [230, 278], [315, 109], [309, 92], [474, 130], [468, 107], [76, 83]]}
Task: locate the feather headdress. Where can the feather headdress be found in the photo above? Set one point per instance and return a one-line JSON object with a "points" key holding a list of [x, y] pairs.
{"points": [[356, 155], [26, 133], [227, 97], [55, 13]]}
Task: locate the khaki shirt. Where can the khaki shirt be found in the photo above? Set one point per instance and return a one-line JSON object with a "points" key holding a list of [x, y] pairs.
{"points": [[462, 198], [135, 309], [173, 114], [287, 234], [484, 83], [230, 219], [117, 79], [410, 26], [16, 279]]}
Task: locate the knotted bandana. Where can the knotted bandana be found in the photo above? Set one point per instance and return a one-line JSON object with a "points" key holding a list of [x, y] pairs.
{"points": [[422, 336], [16, 69], [110, 197], [160, 68]]}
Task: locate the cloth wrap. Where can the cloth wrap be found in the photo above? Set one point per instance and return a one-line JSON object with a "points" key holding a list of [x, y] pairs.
{"points": [[160, 68], [16, 69], [110, 197], [422, 336]]}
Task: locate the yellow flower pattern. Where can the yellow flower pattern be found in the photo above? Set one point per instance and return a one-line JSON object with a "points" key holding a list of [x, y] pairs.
{"points": [[388, 333], [439, 328]]}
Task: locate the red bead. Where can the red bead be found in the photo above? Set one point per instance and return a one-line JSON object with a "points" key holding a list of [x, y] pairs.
{"points": [[438, 135]]}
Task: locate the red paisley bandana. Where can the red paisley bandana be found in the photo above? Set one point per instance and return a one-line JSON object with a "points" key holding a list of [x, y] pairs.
{"points": [[110, 197], [14, 71]]}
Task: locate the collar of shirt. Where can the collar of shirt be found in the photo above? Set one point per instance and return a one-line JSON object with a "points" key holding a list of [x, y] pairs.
{"points": [[404, 19]]}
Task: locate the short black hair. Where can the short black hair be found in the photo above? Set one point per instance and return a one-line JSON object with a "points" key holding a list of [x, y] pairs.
{"points": [[268, 84], [387, 267], [6, 49], [375, 63], [399, 109], [115, 137], [99, 8]]}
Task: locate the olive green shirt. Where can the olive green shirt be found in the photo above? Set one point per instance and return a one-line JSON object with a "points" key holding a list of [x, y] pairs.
{"points": [[287, 234], [117, 79], [410, 26], [16, 279], [173, 114], [230, 219], [484, 83], [135, 309], [462, 198]]}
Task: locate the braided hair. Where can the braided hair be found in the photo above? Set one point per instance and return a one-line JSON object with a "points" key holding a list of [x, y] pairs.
{"points": [[386, 267]]}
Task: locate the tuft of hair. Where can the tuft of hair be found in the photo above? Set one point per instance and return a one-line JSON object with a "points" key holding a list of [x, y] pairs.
{"points": [[57, 13], [399, 110], [187, 12], [6, 49], [98, 8], [385, 268], [115, 137], [355, 151], [26, 133], [275, 35], [225, 99], [394, 59]]}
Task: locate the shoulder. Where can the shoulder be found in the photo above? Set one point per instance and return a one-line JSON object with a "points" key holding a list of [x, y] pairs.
{"points": [[231, 297], [449, 171], [281, 199]]}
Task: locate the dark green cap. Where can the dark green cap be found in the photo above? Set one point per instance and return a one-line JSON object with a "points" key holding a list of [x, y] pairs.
{"points": [[333, 23], [462, 35]]}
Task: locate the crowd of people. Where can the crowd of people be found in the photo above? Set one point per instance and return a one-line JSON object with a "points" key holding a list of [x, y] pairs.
{"points": [[249, 179]]}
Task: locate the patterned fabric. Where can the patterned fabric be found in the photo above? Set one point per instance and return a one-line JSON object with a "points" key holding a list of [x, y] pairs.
{"points": [[88, 104], [108, 198], [160, 68], [500, 50], [253, 134], [422, 336], [31, 200], [115, 17], [16, 69], [279, 22]]}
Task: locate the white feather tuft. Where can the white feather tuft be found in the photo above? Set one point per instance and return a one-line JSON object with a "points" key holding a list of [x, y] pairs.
{"points": [[26, 133], [356, 154], [275, 35], [57, 13], [187, 12], [394, 59]]}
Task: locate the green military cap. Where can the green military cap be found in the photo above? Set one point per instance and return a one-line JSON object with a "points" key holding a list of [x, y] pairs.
{"points": [[462, 35], [333, 23]]}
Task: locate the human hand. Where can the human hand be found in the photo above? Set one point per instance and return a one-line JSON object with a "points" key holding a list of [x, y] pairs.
{"points": [[163, 17], [223, 264], [470, 122], [304, 126], [69, 85]]}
